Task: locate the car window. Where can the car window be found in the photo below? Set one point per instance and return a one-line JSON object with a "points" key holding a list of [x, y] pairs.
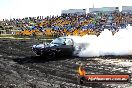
{"points": [[58, 41]]}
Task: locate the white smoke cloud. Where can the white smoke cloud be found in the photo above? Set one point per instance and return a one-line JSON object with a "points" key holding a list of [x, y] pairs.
{"points": [[106, 43]]}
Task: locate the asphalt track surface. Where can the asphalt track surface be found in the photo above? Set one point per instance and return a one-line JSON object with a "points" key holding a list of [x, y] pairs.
{"points": [[20, 68]]}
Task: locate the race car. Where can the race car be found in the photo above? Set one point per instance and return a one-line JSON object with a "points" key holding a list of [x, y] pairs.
{"points": [[62, 46]]}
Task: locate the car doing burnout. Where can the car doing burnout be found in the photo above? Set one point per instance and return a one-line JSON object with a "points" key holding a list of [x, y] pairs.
{"points": [[62, 46]]}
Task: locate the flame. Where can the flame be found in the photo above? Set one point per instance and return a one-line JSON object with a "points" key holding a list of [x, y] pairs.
{"points": [[81, 71]]}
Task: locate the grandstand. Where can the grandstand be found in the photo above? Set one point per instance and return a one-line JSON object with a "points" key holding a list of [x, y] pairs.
{"points": [[128, 11], [71, 22]]}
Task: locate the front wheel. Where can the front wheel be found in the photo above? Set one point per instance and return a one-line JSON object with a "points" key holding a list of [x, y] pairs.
{"points": [[50, 55]]}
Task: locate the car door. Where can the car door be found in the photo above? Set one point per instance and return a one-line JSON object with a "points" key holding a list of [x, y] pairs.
{"points": [[64, 46], [67, 47]]}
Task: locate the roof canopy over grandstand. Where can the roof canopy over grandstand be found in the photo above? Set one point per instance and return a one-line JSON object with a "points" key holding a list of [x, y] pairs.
{"points": [[127, 9], [104, 9], [73, 12]]}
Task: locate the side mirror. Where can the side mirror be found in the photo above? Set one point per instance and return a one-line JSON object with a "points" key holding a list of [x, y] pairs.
{"points": [[64, 43], [48, 43]]}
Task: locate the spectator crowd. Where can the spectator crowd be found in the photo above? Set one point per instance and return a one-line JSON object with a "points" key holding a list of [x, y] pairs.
{"points": [[65, 25]]}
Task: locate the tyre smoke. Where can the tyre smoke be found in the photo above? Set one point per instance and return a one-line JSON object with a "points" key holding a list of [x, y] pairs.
{"points": [[106, 44]]}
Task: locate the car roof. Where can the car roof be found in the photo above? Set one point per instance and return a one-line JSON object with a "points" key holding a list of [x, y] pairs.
{"points": [[76, 39], [71, 37]]}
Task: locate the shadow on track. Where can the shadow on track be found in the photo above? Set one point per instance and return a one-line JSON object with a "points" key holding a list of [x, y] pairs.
{"points": [[38, 59], [116, 57], [110, 57]]}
